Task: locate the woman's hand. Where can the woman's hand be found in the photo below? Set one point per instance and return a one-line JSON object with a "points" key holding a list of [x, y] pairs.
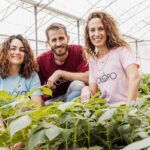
{"points": [[85, 94]]}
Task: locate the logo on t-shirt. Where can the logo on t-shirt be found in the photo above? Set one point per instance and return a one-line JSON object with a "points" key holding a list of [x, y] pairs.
{"points": [[60, 81], [105, 77], [18, 91]]}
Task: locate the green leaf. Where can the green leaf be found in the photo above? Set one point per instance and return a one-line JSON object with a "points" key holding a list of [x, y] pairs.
{"points": [[46, 90], [36, 139], [82, 148], [66, 105], [5, 96], [142, 134], [39, 126], [66, 133], [132, 112], [19, 124], [95, 148], [52, 132], [90, 148], [87, 113], [138, 145], [80, 117], [31, 92], [134, 120], [4, 148], [106, 115], [125, 129], [97, 100], [148, 148]]}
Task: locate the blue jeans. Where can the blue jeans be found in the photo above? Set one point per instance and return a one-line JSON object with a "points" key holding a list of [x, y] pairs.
{"points": [[72, 95], [73, 91]]}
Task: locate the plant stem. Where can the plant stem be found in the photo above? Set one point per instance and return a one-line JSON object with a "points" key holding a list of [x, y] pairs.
{"points": [[108, 136], [24, 134], [66, 142], [75, 133], [88, 135]]}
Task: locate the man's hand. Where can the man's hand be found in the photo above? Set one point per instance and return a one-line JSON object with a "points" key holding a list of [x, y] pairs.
{"points": [[53, 78]]}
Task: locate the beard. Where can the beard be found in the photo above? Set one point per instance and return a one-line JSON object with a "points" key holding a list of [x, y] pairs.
{"points": [[63, 50]]}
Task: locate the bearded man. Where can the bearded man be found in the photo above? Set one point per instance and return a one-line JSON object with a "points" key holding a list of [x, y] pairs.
{"points": [[62, 68]]}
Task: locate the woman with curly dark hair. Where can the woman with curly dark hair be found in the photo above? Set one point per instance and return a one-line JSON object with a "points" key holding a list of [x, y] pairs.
{"points": [[18, 68], [18, 71]]}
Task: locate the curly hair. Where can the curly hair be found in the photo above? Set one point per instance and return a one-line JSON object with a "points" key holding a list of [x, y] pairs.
{"points": [[114, 39], [28, 66]]}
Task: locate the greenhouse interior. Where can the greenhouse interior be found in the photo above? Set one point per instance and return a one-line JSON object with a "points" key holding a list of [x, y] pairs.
{"points": [[27, 122]]}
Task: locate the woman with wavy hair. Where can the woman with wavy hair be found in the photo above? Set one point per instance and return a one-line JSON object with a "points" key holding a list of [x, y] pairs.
{"points": [[112, 64], [18, 68], [18, 71]]}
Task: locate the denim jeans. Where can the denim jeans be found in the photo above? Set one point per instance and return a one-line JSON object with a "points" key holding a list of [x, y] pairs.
{"points": [[74, 90]]}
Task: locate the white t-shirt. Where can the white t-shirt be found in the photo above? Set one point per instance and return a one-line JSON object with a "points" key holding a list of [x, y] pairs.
{"points": [[109, 73]]}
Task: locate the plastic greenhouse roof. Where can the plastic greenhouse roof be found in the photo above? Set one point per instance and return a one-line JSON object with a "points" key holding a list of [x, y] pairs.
{"points": [[133, 17]]}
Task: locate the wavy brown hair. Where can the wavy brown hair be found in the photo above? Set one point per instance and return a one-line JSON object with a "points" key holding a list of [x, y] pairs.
{"points": [[28, 66], [114, 39]]}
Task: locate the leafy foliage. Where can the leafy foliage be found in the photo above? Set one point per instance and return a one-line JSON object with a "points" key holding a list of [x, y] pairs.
{"points": [[144, 85], [77, 126]]}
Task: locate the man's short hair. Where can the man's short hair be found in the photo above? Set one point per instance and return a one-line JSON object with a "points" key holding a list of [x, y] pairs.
{"points": [[55, 26]]}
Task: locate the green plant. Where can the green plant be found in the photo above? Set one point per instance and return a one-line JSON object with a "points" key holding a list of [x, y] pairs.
{"points": [[75, 125]]}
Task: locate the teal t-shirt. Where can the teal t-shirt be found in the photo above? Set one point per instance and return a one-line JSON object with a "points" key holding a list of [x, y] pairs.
{"points": [[16, 85]]}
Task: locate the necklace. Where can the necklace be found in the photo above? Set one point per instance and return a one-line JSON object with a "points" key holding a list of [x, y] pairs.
{"points": [[100, 52], [102, 63]]}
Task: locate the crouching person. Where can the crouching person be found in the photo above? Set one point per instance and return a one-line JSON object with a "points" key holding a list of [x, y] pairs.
{"points": [[63, 67]]}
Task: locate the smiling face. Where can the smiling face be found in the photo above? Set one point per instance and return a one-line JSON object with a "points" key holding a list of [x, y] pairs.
{"points": [[58, 41], [97, 33], [16, 53]]}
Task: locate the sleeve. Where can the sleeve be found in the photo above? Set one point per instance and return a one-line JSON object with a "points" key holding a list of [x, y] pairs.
{"points": [[34, 84], [1, 84], [92, 78], [128, 57], [82, 63]]}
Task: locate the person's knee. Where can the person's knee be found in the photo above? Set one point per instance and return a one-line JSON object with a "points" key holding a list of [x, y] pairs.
{"points": [[74, 90], [76, 85]]}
